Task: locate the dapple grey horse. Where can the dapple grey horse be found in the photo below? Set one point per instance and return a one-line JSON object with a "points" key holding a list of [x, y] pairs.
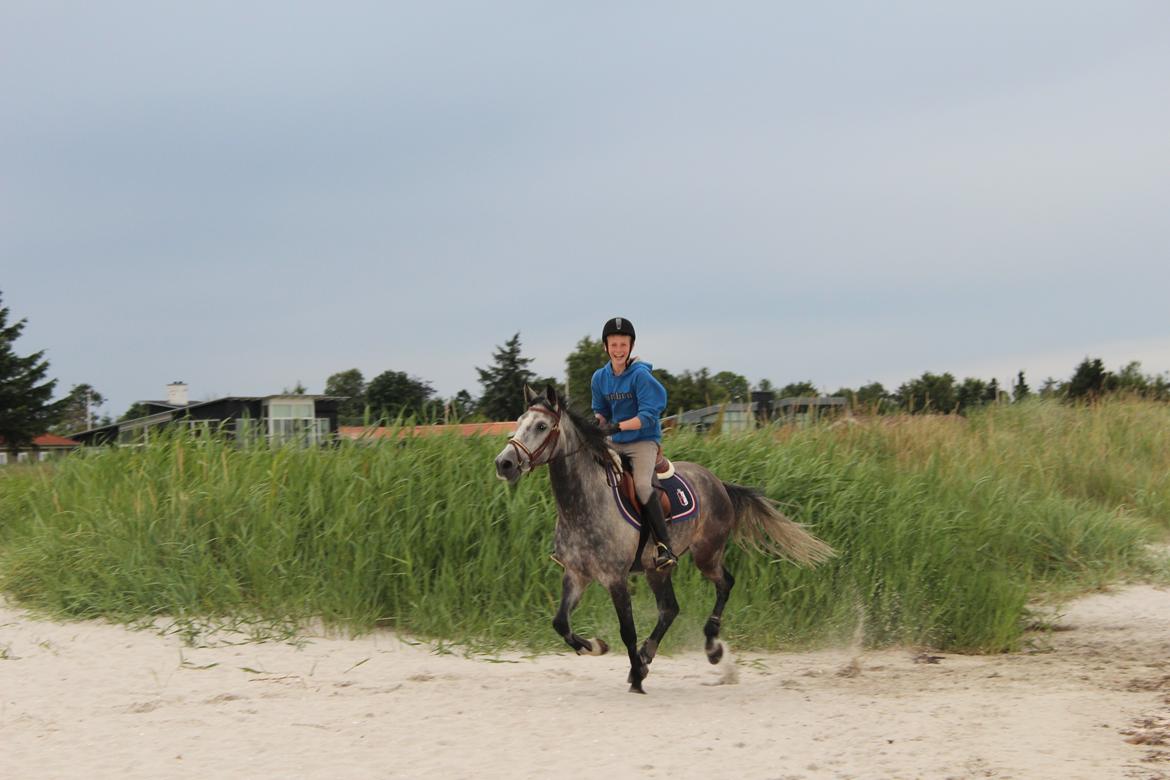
{"points": [[594, 542]]}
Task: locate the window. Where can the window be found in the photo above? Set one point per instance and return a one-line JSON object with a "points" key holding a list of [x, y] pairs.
{"points": [[293, 419], [285, 409]]}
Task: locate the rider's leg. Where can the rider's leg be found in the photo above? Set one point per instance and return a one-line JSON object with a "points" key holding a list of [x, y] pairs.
{"points": [[643, 455], [652, 513]]}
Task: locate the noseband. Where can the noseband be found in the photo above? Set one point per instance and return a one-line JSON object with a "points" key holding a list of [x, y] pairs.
{"points": [[549, 443]]}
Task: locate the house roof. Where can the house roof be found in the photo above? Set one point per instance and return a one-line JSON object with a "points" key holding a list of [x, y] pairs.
{"points": [[49, 440]]}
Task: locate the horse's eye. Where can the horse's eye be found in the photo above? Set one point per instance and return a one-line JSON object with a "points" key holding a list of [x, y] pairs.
{"points": [[541, 427]]}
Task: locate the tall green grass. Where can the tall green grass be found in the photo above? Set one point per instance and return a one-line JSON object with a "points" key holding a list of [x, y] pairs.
{"points": [[946, 528]]}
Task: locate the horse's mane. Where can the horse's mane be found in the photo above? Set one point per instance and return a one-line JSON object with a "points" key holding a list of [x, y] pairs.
{"points": [[592, 439]]}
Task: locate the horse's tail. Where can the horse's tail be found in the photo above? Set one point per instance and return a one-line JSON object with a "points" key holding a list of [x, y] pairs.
{"points": [[760, 525]]}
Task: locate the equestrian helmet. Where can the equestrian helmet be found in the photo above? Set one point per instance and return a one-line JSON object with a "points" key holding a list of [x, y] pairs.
{"points": [[618, 326]]}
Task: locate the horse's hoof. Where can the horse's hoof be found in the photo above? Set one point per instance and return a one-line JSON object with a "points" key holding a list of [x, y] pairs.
{"points": [[593, 646], [716, 655], [637, 688]]}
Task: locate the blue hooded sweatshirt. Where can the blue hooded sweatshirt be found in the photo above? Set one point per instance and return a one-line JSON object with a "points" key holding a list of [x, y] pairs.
{"points": [[635, 393]]}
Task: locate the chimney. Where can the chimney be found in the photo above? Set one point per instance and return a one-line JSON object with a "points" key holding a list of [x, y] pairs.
{"points": [[177, 394]]}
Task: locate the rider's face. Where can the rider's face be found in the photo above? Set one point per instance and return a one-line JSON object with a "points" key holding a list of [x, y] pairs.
{"points": [[618, 347]]}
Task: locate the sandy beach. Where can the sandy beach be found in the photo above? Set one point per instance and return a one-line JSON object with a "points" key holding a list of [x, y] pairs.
{"points": [[1090, 700]]}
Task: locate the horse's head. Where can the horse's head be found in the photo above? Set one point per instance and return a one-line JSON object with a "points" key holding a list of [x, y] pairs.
{"points": [[537, 432]]}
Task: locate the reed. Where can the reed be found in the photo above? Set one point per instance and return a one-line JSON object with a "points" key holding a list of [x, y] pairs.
{"points": [[947, 528]]}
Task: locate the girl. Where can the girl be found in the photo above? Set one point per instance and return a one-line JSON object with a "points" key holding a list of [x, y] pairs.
{"points": [[628, 401]]}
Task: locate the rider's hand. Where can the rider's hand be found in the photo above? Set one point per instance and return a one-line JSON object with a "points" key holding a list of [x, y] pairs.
{"points": [[608, 428]]}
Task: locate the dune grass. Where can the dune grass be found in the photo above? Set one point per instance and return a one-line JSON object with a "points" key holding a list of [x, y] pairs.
{"points": [[947, 527]]}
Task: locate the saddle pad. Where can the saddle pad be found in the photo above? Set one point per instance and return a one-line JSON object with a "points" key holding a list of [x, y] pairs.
{"points": [[684, 504]]}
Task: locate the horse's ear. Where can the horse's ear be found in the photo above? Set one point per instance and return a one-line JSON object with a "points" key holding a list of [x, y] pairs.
{"points": [[530, 395], [550, 393]]}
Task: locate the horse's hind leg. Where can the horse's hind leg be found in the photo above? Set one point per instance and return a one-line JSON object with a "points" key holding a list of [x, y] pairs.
{"points": [[571, 589], [620, 594], [663, 587], [721, 577]]}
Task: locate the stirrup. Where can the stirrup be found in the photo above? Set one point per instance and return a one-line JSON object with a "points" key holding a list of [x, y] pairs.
{"points": [[665, 558]]}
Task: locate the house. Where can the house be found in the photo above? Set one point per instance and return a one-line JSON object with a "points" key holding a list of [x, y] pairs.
{"points": [[43, 447], [742, 416], [727, 418], [308, 418]]}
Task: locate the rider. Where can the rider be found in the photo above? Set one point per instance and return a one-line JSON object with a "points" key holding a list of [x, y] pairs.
{"points": [[628, 401]]}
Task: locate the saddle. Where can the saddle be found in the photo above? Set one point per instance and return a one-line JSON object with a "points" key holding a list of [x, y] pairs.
{"points": [[663, 470]]}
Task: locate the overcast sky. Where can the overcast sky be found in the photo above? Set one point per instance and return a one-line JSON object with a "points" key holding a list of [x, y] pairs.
{"points": [[244, 195]]}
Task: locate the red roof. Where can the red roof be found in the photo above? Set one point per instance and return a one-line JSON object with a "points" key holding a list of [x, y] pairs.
{"points": [[464, 429], [50, 440]]}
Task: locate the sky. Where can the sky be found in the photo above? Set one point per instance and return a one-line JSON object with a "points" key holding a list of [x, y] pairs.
{"points": [[247, 195]]}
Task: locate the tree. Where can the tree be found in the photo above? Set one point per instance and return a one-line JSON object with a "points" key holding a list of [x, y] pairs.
{"points": [[871, 398], [136, 410], [587, 357], [395, 394], [993, 394], [799, 390], [1089, 381], [928, 393], [1020, 389], [873, 395], [26, 410], [970, 394], [460, 406], [734, 385], [691, 390], [351, 385], [78, 410], [1131, 379], [503, 382]]}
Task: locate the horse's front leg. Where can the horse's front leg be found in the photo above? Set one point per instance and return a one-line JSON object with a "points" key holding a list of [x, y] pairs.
{"points": [[572, 587], [620, 594], [663, 588]]}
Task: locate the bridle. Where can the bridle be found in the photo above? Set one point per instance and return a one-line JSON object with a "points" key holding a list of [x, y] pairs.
{"points": [[550, 440]]}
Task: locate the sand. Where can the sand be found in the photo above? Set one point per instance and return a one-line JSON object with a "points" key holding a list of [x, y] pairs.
{"points": [[89, 699]]}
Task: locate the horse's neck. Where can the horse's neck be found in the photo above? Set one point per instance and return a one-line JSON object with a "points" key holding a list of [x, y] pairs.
{"points": [[578, 482]]}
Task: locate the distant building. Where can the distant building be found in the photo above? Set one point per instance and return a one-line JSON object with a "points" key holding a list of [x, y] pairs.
{"points": [[308, 418], [42, 448], [740, 416]]}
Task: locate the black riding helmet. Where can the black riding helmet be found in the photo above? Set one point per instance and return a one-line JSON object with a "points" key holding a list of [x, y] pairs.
{"points": [[618, 326]]}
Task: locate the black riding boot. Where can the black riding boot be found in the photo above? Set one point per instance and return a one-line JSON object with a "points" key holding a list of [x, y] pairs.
{"points": [[652, 513]]}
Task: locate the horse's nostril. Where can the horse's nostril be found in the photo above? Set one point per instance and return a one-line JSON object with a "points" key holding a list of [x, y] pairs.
{"points": [[507, 465]]}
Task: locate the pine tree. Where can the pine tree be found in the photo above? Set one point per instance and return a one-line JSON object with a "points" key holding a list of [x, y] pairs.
{"points": [[1090, 380], [26, 410], [1020, 389], [503, 382]]}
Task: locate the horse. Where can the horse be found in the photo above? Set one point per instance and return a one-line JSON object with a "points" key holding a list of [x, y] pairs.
{"points": [[596, 543]]}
